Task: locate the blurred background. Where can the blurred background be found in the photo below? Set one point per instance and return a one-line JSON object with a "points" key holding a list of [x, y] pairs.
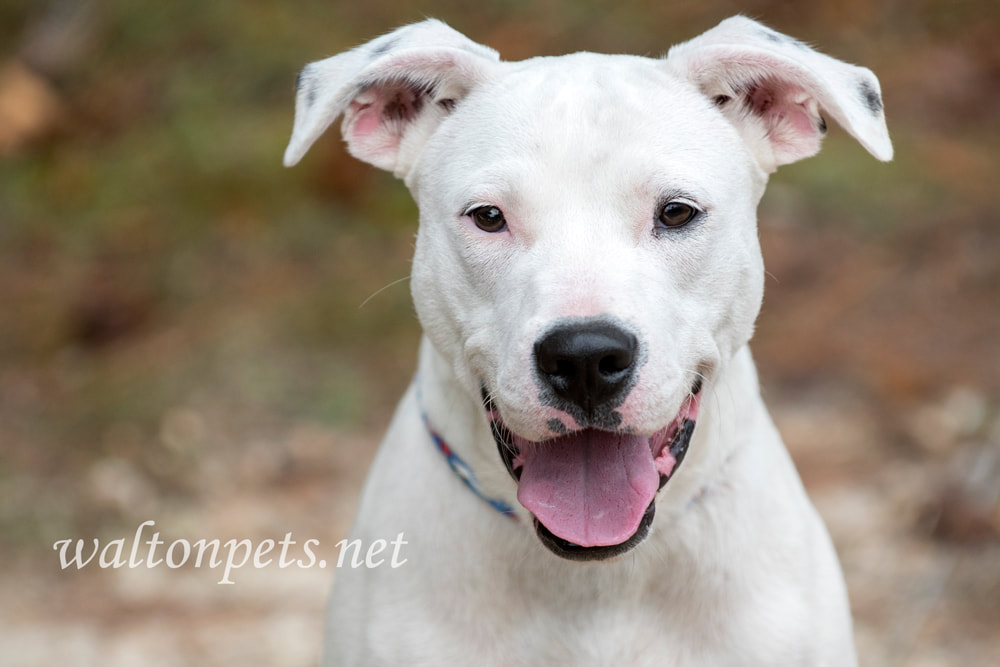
{"points": [[191, 334]]}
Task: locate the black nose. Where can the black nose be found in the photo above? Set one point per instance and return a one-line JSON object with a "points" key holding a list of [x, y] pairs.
{"points": [[588, 364]]}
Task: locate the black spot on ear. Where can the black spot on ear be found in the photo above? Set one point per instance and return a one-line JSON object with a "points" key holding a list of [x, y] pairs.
{"points": [[778, 38], [772, 36], [302, 80], [721, 100], [822, 125], [384, 47], [870, 97], [447, 104]]}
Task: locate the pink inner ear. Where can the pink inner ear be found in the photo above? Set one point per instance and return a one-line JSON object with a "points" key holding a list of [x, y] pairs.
{"points": [[366, 120], [791, 117], [800, 121], [369, 134], [762, 99], [377, 119]]}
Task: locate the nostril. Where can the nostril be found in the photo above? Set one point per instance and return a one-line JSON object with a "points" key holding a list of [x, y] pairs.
{"points": [[565, 368], [614, 363], [556, 366]]}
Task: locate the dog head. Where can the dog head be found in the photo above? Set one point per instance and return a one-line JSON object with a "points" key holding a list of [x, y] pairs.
{"points": [[587, 258]]}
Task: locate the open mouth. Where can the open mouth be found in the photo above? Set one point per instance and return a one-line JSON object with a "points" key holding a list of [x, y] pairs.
{"points": [[592, 491]]}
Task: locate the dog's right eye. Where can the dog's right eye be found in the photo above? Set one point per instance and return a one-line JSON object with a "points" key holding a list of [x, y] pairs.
{"points": [[489, 219]]}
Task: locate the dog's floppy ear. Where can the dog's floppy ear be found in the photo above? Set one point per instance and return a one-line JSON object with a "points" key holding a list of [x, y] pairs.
{"points": [[393, 91], [773, 88]]}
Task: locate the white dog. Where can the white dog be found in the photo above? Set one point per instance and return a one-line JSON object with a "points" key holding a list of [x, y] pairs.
{"points": [[587, 273]]}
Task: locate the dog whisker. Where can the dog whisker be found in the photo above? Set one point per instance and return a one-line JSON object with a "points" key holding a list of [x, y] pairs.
{"points": [[382, 289]]}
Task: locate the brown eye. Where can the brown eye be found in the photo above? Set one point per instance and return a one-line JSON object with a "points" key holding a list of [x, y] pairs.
{"points": [[676, 214], [489, 219]]}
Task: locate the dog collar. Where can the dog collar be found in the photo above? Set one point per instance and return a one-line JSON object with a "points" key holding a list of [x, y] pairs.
{"points": [[460, 467]]}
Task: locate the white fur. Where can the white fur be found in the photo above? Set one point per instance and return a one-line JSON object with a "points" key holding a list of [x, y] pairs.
{"points": [[577, 151]]}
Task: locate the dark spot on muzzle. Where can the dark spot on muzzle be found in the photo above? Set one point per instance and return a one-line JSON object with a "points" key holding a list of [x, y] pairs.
{"points": [[678, 447]]}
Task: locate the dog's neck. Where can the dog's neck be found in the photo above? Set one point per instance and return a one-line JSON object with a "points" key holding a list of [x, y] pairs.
{"points": [[731, 408], [457, 417], [457, 464]]}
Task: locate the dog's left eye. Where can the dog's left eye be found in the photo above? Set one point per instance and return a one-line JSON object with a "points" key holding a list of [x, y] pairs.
{"points": [[489, 219], [675, 214]]}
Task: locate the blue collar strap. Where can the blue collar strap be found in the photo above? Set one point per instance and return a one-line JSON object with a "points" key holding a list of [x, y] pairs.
{"points": [[460, 467]]}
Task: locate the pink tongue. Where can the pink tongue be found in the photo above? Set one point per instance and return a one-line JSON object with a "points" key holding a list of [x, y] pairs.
{"points": [[591, 487]]}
